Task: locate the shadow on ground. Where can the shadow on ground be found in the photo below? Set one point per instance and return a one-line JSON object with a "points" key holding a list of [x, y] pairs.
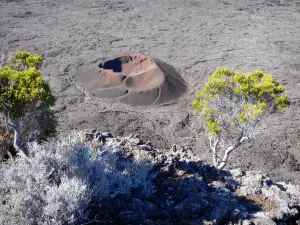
{"points": [[185, 193]]}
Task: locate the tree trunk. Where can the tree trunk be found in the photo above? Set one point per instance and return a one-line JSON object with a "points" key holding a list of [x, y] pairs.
{"points": [[229, 150], [213, 147], [225, 158], [17, 140]]}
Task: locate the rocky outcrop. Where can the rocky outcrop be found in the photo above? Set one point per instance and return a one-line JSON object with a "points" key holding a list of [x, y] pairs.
{"points": [[189, 191]]}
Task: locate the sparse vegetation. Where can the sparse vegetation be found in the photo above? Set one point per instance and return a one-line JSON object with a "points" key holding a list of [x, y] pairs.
{"points": [[234, 105], [24, 96], [61, 180], [97, 179]]}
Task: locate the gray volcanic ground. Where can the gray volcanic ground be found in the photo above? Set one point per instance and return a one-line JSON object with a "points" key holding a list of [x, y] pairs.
{"points": [[194, 36]]}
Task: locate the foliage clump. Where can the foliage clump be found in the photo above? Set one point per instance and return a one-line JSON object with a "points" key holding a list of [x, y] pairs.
{"points": [[233, 105], [21, 84], [25, 98]]}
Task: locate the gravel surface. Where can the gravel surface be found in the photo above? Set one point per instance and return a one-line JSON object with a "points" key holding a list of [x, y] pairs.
{"points": [[193, 36]]}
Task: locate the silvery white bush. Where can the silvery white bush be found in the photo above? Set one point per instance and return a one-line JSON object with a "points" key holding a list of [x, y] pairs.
{"points": [[61, 179]]}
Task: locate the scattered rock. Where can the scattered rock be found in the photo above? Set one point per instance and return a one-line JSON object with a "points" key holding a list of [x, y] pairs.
{"points": [[189, 191]]}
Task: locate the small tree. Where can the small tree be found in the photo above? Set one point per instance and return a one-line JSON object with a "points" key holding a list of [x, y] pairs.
{"points": [[233, 106], [22, 91]]}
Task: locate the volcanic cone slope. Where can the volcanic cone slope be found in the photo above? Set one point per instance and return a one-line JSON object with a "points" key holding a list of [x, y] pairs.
{"points": [[134, 79]]}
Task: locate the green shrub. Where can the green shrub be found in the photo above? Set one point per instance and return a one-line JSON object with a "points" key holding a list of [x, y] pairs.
{"points": [[233, 104], [21, 84], [25, 97]]}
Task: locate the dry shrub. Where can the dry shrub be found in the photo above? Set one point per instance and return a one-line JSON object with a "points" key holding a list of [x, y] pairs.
{"points": [[266, 204], [62, 178], [5, 134]]}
